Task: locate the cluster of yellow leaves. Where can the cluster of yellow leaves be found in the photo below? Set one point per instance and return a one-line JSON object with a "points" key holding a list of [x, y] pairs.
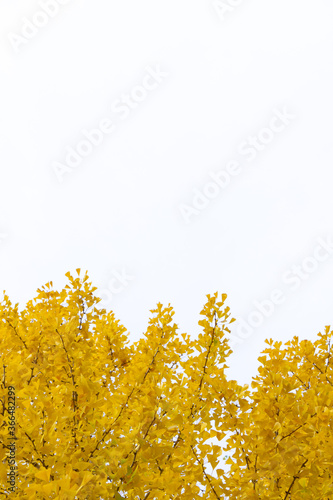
{"points": [[285, 447], [97, 418]]}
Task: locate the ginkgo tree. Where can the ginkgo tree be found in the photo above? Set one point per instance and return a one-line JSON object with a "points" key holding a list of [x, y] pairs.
{"points": [[86, 414], [283, 448]]}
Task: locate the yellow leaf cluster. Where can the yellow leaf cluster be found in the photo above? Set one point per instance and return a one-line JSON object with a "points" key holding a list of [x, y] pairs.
{"points": [[99, 418]]}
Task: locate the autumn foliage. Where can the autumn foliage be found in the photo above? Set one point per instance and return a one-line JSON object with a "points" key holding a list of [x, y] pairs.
{"points": [[99, 418]]}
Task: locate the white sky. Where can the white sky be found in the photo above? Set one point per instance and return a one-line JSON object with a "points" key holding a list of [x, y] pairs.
{"points": [[119, 210]]}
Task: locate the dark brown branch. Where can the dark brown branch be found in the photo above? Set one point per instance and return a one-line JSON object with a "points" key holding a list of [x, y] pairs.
{"points": [[294, 479], [205, 474]]}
